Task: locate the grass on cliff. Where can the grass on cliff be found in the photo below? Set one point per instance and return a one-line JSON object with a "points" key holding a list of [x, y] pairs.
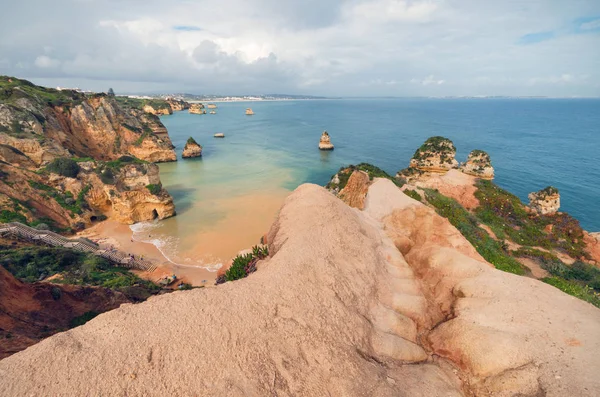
{"points": [[374, 172], [12, 89], [243, 265], [31, 264], [468, 224], [66, 200], [157, 104], [505, 214]]}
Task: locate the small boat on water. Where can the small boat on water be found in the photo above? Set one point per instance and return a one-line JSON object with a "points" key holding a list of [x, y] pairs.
{"points": [[219, 135], [249, 112], [213, 112]]}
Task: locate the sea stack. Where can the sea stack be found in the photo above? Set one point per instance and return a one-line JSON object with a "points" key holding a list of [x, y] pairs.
{"points": [[437, 154], [325, 142], [192, 149], [249, 112], [197, 108], [478, 164], [546, 201]]}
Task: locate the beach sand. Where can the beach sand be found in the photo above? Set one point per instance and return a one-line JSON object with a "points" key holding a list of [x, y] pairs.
{"points": [[248, 218], [119, 236]]}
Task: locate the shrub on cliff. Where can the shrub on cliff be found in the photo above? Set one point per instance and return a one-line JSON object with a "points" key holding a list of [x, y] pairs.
{"points": [[64, 166], [154, 189], [243, 265], [191, 141]]}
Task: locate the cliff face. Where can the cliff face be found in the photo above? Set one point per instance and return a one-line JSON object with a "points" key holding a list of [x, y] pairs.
{"points": [[197, 108], [31, 312], [478, 164], [45, 124], [118, 191], [387, 301], [178, 104]]}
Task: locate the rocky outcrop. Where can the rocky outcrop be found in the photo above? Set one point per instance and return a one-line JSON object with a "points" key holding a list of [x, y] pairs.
{"points": [[119, 192], [355, 191], [478, 164], [437, 154], [387, 301], [31, 312], [158, 111], [192, 149], [325, 142], [178, 104], [546, 201], [94, 126], [197, 108]]}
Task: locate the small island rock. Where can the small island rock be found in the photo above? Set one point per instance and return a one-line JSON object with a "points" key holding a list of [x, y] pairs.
{"points": [[325, 142], [197, 108], [546, 201], [192, 149], [478, 164]]}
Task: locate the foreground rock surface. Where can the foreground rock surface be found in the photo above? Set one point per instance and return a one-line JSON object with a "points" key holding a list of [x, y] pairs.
{"points": [[390, 301]]}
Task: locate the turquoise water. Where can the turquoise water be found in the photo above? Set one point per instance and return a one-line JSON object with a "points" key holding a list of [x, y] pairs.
{"points": [[532, 142]]}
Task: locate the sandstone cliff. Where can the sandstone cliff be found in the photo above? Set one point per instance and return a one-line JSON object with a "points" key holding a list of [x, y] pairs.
{"points": [[31, 312], [388, 301], [437, 154], [545, 201], [158, 111], [478, 164], [124, 191], [192, 149], [197, 108], [45, 124], [178, 104]]}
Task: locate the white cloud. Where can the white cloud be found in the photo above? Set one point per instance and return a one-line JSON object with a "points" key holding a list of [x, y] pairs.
{"points": [[343, 47], [44, 61], [592, 25]]}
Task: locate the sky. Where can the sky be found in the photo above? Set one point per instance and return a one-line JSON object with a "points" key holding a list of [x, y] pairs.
{"points": [[311, 47]]}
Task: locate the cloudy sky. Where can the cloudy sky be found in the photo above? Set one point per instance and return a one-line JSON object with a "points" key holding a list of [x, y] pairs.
{"points": [[319, 47]]}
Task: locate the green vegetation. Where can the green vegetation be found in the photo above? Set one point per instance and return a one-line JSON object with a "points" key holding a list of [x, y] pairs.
{"points": [[436, 144], [64, 166], [154, 189], [107, 176], [65, 200], [84, 318], [373, 172], [31, 264], [243, 265], [413, 194], [7, 216], [157, 104], [140, 140], [12, 89], [575, 289], [504, 213], [468, 224]]}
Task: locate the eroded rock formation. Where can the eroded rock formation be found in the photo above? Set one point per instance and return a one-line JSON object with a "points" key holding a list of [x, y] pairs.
{"points": [[192, 149], [325, 142], [388, 301], [158, 111], [197, 108], [178, 104], [478, 164], [545, 201], [437, 154]]}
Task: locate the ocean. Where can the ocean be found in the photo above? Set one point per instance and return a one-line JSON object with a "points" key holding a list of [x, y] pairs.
{"points": [[227, 199]]}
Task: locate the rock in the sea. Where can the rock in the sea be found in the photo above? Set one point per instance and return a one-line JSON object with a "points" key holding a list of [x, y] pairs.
{"points": [[546, 201], [197, 108], [219, 135], [178, 104], [192, 149], [435, 155], [478, 164], [325, 142]]}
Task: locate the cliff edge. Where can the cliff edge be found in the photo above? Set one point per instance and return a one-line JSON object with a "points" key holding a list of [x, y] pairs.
{"points": [[388, 301]]}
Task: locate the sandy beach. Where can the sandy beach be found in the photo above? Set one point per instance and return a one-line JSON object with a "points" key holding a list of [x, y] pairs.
{"points": [[119, 236]]}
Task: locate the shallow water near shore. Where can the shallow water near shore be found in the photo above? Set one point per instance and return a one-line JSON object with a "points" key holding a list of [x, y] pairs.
{"points": [[227, 199]]}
